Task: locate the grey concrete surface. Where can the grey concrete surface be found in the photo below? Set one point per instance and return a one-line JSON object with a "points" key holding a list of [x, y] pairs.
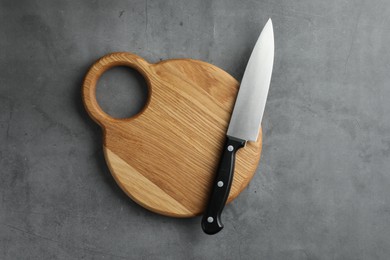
{"points": [[322, 187]]}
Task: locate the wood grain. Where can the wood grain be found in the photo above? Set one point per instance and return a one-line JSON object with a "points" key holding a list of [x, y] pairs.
{"points": [[165, 157]]}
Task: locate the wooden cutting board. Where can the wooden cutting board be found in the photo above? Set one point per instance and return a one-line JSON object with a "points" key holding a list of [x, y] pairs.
{"points": [[165, 158]]}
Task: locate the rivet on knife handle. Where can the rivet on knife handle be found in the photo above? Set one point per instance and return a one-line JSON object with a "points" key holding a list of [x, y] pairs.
{"points": [[211, 222]]}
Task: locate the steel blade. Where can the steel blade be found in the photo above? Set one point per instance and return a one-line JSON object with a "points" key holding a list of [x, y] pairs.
{"points": [[250, 103]]}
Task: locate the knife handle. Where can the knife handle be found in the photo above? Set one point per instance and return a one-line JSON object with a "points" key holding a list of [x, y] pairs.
{"points": [[211, 221]]}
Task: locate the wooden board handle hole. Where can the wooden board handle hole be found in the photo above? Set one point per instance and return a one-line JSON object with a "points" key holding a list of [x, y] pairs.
{"points": [[96, 71], [122, 92]]}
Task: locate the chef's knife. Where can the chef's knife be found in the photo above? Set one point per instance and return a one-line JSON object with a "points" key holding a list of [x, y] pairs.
{"points": [[244, 123]]}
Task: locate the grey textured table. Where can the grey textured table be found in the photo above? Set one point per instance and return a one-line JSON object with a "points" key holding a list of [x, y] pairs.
{"points": [[322, 187]]}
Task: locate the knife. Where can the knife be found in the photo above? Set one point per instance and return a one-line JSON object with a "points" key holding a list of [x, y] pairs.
{"points": [[244, 124]]}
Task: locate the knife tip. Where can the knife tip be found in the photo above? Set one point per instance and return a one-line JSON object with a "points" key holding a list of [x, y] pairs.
{"points": [[269, 26], [269, 21]]}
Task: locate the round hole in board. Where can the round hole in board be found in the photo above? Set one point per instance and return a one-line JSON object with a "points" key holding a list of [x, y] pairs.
{"points": [[122, 92]]}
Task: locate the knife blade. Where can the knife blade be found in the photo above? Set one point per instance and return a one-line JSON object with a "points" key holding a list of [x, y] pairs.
{"points": [[244, 124]]}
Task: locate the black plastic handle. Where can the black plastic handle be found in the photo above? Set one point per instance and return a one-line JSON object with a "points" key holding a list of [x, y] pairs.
{"points": [[211, 221]]}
